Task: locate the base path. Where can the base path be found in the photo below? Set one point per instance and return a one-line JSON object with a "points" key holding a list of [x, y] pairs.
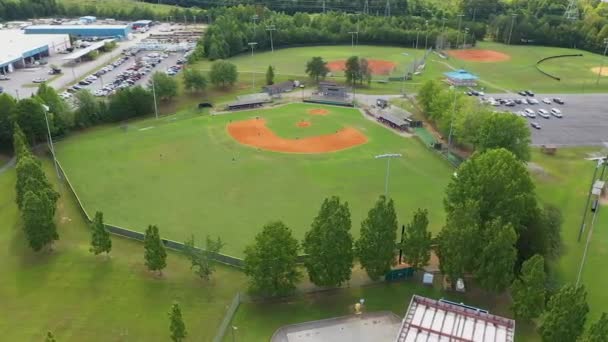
{"points": [[479, 55], [254, 133]]}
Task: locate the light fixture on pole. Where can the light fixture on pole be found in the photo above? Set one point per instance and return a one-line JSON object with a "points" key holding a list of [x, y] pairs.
{"points": [[452, 121], [388, 158], [464, 43], [417, 35], [52, 147], [352, 38], [599, 74], [234, 329], [252, 45]]}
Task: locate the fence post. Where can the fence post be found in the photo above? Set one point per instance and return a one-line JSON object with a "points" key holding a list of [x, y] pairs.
{"points": [[221, 332]]}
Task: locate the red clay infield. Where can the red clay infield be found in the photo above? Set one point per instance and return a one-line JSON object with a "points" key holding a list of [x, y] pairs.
{"points": [[377, 66], [303, 124], [479, 55], [318, 111], [254, 133]]}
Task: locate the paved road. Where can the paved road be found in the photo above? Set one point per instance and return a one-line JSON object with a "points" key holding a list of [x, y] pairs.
{"points": [[584, 122]]}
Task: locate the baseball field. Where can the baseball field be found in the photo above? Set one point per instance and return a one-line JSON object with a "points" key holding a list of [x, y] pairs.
{"points": [[501, 67], [228, 175]]}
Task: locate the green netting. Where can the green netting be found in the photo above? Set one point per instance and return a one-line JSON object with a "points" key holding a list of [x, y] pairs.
{"points": [[425, 135]]}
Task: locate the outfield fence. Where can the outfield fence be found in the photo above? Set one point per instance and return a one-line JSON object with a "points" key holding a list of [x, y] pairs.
{"points": [[553, 57], [221, 331], [139, 236]]}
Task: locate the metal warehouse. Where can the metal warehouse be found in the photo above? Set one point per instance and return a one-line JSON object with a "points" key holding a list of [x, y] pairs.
{"points": [[19, 49], [114, 31]]}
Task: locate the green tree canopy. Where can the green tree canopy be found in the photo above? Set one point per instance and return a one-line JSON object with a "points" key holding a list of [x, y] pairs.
{"points": [[223, 74], [202, 261], [88, 111], [37, 214], [417, 240], [194, 80], [376, 246], [316, 68], [271, 262], [564, 319], [155, 254], [270, 75], [528, 290], [100, 237], [598, 331], [7, 106], [494, 270], [29, 114], [164, 85], [352, 70], [176, 324], [504, 131], [329, 245], [60, 114]]}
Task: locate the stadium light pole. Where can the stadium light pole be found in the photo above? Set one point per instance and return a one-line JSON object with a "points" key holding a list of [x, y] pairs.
{"points": [[452, 121], [404, 74], [417, 35], [458, 33], [154, 95], [270, 29], [48, 130], [388, 158], [252, 45], [254, 18], [513, 16], [599, 74], [426, 37], [234, 329], [352, 39], [464, 42]]}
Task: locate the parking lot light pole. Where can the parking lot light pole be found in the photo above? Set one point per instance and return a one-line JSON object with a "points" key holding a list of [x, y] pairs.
{"points": [[388, 158], [599, 74]]}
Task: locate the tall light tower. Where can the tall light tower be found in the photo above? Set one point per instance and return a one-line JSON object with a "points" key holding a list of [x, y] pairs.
{"points": [[387, 8], [571, 12], [352, 38], [426, 37], [270, 29], [48, 130], [388, 158], [254, 19], [513, 16], [252, 45], [458, 33], [599, 74]]}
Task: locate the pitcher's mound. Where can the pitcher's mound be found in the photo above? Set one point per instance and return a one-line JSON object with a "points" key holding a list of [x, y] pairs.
{"points": [[303, 124], [479, 55], [377, 66], [318, 111], [604, 70]]}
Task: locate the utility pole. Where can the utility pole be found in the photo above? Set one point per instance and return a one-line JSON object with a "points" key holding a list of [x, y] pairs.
{"points": [[388, 158], [387, 9], [426, 38], [417, 34], [270, 29], [254, 18], [513, 16], [252, 45], [458, 33], [154, 95], [599, 74]]}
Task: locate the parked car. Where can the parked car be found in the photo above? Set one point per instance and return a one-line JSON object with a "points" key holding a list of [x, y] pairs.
{"points": [[535, 125], [529, 93], [39, 80], [533, 101], [519, 101], [558, 100], [547, 101], [529, 113], [521, 113], [522, 93], [544, 113], [556, 112], [4, 78]]}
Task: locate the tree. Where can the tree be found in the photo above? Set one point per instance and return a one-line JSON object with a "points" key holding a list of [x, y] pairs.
{"points": [[176, 325], [202, 260], [194, 80], [223, 74], [352, 70], [29, 115], [30, 176], [88, 111], [50, 337], [365, 71], [7, 106], [164, 85], [317, 68], [130, 103], [271, 262], [528, 290], [100, 237], [552, 219], [504, 131], [155, 253], [417, 240], [329, 245], [270, 75], [598, 331], [20, 145], [37, 214], [58, 110], [427, 93], [564, 319], [375, 248], [494, 271]]}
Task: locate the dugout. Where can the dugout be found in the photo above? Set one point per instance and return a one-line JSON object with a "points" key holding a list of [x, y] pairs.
{"points": [[393, 121], [332, 89], [246, 104]]}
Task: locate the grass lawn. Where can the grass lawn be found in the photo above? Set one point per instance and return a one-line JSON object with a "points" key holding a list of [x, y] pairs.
{"points": [[565, 183], [197, 188], [515, 74], [520, 73], [81, 297]]}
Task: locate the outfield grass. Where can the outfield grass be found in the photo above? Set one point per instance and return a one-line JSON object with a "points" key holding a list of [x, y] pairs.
{"points": [[520, 73], [565, 183], [197, 188], [81, 297]]}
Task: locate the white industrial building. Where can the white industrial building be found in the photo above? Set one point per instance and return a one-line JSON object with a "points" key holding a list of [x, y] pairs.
{"points": [[19, 49]]}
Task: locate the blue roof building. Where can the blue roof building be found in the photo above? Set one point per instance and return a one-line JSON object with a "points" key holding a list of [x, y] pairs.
{"points": [[461, 77], [105, 31]]}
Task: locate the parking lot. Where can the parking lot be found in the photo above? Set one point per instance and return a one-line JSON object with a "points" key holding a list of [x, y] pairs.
{"points": [[584, 121]]}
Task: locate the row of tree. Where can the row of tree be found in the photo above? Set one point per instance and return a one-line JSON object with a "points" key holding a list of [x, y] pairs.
{"points": [[472, 124], [233, 29], [271, 261]]}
